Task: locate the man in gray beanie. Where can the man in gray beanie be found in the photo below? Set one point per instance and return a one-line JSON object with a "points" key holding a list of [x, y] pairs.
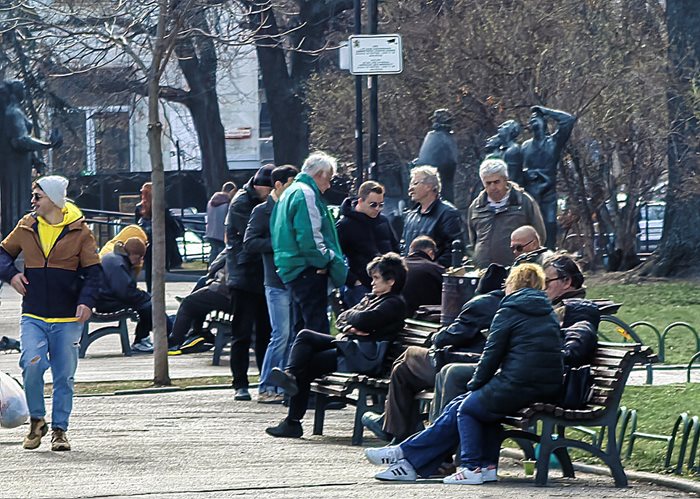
{"points": [[59, 286]]}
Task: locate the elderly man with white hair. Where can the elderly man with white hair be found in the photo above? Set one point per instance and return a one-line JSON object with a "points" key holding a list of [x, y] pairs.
{"points": [[497, 211], [432, 216], [305, 243]]}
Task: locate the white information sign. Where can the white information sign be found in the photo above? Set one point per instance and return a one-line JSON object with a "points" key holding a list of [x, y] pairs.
{"points": [[376, 54]]}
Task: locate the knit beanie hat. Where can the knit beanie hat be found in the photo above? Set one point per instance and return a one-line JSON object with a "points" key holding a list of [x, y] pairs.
{"points": [[135, 246], [263, 176], [55, 188]]}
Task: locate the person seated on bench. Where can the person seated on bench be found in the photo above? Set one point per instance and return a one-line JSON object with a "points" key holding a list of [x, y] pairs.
{"points": [[187, 335], [564, 287], [119, 289], [424, 278], [415, 369], [123, 235], [521, 364], [378, 317]]}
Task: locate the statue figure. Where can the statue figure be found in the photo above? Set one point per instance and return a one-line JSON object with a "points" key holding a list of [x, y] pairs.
{"points": [[541, 156], [18, 154], [503, 146], [439, 149]]}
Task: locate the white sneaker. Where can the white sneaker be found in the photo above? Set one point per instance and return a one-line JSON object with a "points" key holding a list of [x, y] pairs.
{"points": [[400, 471], [384, 455], [489, 474], [465, 476], [142, 347]]}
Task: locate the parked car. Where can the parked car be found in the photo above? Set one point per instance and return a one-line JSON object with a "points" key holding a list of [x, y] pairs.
{"points": [[651, 225], [192, 247]]}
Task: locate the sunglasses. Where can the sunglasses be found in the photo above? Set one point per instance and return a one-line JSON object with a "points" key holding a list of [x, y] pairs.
{"points": [[547, 281], [374, 204], [519, 247]]}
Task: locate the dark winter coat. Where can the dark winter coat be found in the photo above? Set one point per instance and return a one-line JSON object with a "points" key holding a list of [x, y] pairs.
{"points": [[465, 332], [580, 343], [522, 360], [361, 239], [257, 240], [119, 288], [580, 309], [380, 316], [245, 269], [423, 282], [441, 222]]}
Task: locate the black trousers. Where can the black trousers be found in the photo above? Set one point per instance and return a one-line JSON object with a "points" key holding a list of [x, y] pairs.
{"points": [[249, 315], [145, 324], [313, 354], [192, 312], [309, 293]]}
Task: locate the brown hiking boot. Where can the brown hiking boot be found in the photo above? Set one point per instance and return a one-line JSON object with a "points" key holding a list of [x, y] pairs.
{"points": [[59, 441], [37, 429]]}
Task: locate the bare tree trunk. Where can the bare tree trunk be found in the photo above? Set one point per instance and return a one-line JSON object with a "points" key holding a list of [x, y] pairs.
{"points": [[679, 252], [161, 375], [198, 61]]}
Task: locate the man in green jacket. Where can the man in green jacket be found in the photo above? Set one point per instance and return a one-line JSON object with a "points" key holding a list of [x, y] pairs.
{"points": [[305, 243]]}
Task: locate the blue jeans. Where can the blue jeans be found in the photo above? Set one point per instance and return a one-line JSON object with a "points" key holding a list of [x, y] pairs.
{"points": [[480, 433], [279, 307], [426, 450], [54, 345]]}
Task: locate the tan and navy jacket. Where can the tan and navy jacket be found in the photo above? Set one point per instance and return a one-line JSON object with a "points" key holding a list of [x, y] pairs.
{"points": [[61, 264]]}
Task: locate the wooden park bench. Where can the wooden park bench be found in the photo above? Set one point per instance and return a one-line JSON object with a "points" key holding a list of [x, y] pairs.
{"points": [[120, 317], [358, 389], [610, 369]]}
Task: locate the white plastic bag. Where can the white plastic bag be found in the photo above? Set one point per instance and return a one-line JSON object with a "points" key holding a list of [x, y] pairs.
{"points": [[13, 404]]}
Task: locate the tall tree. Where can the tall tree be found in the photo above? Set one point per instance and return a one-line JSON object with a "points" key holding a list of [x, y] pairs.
{"points": [[679, 254], [288, 55]]}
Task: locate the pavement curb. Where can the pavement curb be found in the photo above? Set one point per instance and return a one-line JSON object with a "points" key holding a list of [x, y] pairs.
{"points": [[161, 389], [643, 476]]}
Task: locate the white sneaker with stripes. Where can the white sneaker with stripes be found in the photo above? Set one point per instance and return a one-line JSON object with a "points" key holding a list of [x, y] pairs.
{"points": [[465, 476], [384, 455], [400, 471]]}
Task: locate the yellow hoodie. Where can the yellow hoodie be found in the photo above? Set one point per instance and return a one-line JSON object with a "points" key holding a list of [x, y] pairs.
{"points": [[48, 234]]}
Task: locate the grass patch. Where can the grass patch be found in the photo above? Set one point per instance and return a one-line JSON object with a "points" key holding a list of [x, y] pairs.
{"points": [[660, 303], [109, 387], [657, 409]]}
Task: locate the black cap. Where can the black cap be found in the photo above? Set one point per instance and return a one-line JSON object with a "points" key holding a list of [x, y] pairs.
{"points": [[263, 176], [493, 279]]}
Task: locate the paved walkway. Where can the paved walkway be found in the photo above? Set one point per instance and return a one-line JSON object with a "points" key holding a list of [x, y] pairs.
{"points": [[204, 444]]}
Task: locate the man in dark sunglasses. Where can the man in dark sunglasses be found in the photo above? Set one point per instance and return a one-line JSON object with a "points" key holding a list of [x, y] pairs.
{"points": [[364, 233], [526, 246]]}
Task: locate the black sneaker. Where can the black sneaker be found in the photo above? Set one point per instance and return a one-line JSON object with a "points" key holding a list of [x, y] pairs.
{"points": [[283, 380], [286, 429], [196, 345]]}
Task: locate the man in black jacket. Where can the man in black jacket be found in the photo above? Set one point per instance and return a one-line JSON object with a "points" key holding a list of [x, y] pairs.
{"points": [[245, 278], [432, 216], [364, 233], [279, 301], [424, 278], [415, 370], [119, 290]]}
